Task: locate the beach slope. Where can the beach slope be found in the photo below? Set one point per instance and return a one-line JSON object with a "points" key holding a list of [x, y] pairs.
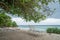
{"points": [[26, 35]]}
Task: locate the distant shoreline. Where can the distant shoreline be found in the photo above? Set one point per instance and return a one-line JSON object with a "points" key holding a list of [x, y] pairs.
{"points": [[41, 25]]}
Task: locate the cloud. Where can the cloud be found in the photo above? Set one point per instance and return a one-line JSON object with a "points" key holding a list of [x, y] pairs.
{"points": [[48, 21], [51, 21]]}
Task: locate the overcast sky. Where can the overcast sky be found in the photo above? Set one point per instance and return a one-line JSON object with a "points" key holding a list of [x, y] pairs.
{"points": [[51, 20]]}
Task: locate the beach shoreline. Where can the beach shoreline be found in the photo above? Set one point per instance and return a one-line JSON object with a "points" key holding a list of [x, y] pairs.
{"points": [[17, 34]]}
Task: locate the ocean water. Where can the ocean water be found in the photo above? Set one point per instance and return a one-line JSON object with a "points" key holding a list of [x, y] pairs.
{"points": [[38, 27]]}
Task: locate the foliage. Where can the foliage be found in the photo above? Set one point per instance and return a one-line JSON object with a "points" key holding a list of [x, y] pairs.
{"points": [[14, 24], [5, 21], [53, 30], [27, 9]]}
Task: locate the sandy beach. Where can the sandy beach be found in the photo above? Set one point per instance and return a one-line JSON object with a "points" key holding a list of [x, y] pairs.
{"points": [[17, 34]]}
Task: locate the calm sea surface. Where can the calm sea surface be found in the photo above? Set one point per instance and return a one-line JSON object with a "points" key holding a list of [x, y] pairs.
{"points": [[38, 27]]}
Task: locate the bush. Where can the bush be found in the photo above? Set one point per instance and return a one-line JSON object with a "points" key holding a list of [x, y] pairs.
{"points": [[53, 30], [5, 21]]}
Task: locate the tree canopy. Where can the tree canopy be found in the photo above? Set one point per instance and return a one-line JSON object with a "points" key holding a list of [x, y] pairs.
{"points": [[29, 10], [5, 21]]}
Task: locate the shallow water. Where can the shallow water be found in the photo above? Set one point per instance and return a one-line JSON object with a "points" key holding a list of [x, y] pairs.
{"points": [[38, 27]]}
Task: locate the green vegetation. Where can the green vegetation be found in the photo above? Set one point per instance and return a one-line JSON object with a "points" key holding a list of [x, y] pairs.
{"points": [[26, 9], [5, 21], [53, 30], [30, 10]]}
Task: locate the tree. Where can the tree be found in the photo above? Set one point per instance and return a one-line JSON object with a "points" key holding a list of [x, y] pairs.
{"points": [[5, 21], [14, 24], [26, 9]]}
